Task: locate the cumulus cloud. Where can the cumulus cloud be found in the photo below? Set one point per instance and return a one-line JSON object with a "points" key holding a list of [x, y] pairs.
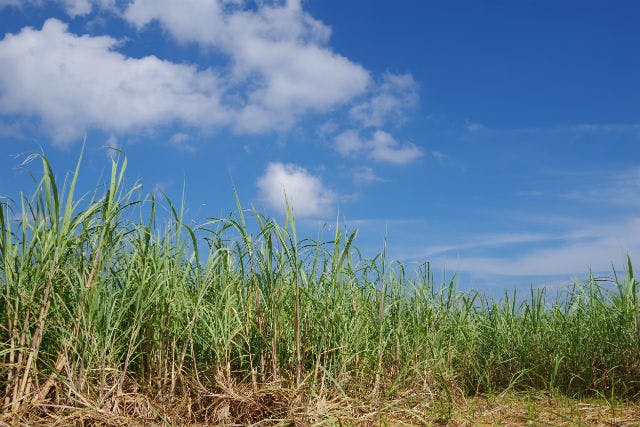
{"points": [[386, 149], [389, 102], [277, 68], [381, 147], [277, 50], [76, 82], [305, 193]]}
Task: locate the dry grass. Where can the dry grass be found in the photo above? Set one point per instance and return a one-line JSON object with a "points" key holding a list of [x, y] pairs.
{"points": [[272, 405]]}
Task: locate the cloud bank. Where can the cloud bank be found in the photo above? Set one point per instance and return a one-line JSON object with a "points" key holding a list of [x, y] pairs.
{"points": [[278, 69]]}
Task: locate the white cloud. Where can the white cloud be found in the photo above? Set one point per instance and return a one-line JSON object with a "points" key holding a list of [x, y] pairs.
{"points": [[474, 127], [277, 55], [488, 241], [15, 130], [381, 147], [590, 248], [629, 129], [181, 141], [576, 244], [111, 147], [78, 82], [570, 259], [389, 102], [77, 7], [278, 68], [438, 155], [306, 193], [620, 189], [366, 175], [602, 128], [387, 149], [349, 143]]}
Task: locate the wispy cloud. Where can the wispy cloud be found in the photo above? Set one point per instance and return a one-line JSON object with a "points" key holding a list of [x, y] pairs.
{"points": [[389, 102], [606, 128], [365, 176], [381, 147], [439, 155], [6, 3], [111, 147], [488, 241], [181, 141], [600, 188], [551, 244], [77, 7], [597, 255], [14, 130], [530, 193], [579, 128], [159, 189], [619, 189], [73, 8], [574, 251]]}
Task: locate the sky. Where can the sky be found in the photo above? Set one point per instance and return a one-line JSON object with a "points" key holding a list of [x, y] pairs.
{"points": [[499, 140]]}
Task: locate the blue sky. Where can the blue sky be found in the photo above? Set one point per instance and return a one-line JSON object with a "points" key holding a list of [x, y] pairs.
{"points": [[499, 139]]}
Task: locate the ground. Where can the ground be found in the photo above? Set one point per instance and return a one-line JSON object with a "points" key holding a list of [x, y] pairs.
{"points": [[512, 409]]}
